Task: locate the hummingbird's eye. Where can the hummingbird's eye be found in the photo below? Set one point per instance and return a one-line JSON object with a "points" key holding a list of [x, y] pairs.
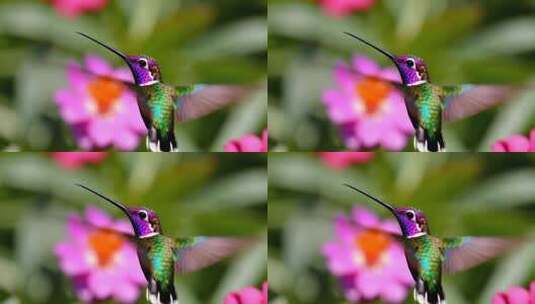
{"points": [[410, 215], [410, 63], [142, 214], [143, 63]]}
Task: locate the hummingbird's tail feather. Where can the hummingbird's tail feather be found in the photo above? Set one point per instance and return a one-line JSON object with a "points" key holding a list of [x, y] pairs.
{"points": [[157, 295], [158, 143], [423, 294], [424, 142]]}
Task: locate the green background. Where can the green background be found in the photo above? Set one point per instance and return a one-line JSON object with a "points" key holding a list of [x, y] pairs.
{"points": [[461, 194], [462, 41], [194, 194], [194, 41]]}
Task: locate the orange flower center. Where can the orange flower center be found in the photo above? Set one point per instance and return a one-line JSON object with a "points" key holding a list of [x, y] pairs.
{"points": [[105, 93], [105, 245], [373, 93], [372, 244]]}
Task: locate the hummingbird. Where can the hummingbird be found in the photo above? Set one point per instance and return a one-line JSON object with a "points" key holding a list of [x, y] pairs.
{"points": [[428, 104], [160, 256], [160, 103], [429, 256]]}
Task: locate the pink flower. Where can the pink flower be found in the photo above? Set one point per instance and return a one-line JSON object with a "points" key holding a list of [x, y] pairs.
{"points": [[345, 7], [100, 261], [73, 8], [101, 110], [248, 143], [74, 160], [342, 160], [516, 295], [248, 295], [368, 263], [515, 143], [368, 111]]}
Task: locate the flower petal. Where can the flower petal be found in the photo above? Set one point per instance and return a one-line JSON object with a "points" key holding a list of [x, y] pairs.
{"points": [[393, 292], [370, 132], [102, 131], [369, 284], [365, 217], [71, 259], [394, 140], [70, 107], [499, 298], [366, 66], [517, 295], [126, 140], [339, 107], [101, 283], [98, 65], [125, 291]]}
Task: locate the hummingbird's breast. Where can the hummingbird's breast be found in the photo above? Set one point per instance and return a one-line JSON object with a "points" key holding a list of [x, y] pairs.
{"points": [[424, 104], [424, 257], [160, 103], [156, 255]]}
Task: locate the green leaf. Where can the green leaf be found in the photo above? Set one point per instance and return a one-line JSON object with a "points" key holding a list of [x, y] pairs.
{"points": [[509, 37], [503, 191], [512, 118], [306, 22], [303, 235], [248, 187], [246, 118], [306, 174], [144, 19], [512, 271], [40, 22], [242, 37], [248, 269]]}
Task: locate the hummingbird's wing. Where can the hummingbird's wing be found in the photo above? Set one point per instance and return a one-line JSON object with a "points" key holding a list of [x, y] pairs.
{"points": [[194, 253], [461, 253], [466, 100], [195, 101]]}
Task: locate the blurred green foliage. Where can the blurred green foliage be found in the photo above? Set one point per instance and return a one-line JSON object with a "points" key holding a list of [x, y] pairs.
{"points": [[462, 41], [194, 194], [195, 41], [461, 194]]}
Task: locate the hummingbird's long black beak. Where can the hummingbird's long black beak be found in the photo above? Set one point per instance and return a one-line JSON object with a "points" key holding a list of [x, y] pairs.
{"points": [[114, 202], [387, 54], [380, 202], [113, 50]]}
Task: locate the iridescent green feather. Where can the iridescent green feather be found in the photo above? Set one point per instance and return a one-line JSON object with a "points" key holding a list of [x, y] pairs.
{"points": [[160, 104], [427, 253], [427, 100], [187, 90], [159, 257]]}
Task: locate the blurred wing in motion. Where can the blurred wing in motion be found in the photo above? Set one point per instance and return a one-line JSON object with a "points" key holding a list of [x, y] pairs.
{"points": [[199, 100], [466, 100], [461, 253], [195, 253]]}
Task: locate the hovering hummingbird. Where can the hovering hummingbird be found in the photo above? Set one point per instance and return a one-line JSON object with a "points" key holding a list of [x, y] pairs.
{"points": [[161, 256], [429, 256], [160, 103], [428, 105]]}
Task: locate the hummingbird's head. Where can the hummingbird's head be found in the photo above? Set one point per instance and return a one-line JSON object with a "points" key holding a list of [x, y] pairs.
{"points": [[412, 70], [144, 221], [411, 221], [144, 69]]}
